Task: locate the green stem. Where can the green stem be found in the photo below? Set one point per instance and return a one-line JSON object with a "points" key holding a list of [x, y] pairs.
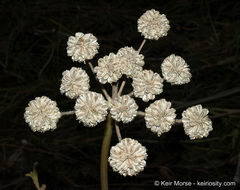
{"points": [[104, 153]]}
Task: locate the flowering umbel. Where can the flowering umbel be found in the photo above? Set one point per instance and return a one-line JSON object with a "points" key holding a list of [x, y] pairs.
{"points": [[128, 157]]}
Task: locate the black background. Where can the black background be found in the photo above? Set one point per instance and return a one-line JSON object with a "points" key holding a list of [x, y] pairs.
{"points": [[33, 56]]}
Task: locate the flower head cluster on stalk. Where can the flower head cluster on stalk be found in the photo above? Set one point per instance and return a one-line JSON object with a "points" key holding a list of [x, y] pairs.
{"points": [[128, 157]]}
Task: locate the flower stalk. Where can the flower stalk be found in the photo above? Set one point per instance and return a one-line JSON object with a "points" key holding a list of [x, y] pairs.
{"points": [[102, 87], [104, 153], [68, 113], [116, 93], [118, 132], [141, 46]]}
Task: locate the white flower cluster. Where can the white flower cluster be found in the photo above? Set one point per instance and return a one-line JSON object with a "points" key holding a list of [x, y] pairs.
{"points": [[147, 84], [108, 69], [91, 108], [196, 122], [124, 109], [175, 70], [153, 25], [42, 114], [128, 157], [130, 60], [82, 47], [74, 82], [160, 116]]}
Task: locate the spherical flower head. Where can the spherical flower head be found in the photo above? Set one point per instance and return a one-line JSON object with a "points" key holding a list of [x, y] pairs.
{"points": [[147, 84], [124, 109], [196, 122], [108, 69], [128, 157], [42, 114], [91, 108], [175, 70], [160, 117], [131, 61], [74, 82], [82, 47], [153, 25]]}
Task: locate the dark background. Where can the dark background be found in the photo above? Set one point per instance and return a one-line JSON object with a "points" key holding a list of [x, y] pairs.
{"points": [[33, 56]]}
